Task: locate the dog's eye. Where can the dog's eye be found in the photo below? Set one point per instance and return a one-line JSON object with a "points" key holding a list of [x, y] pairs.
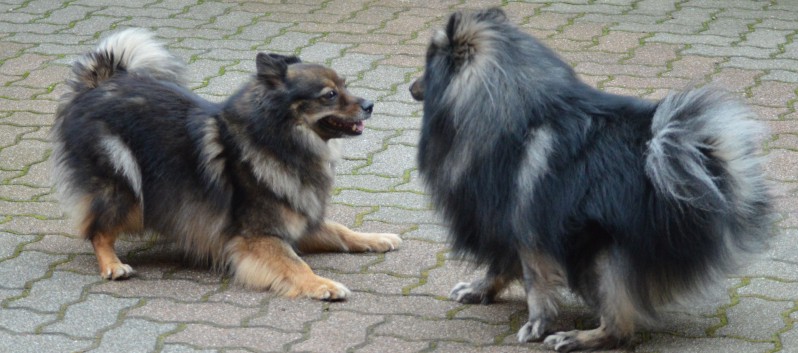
{"points": [[331, 95]]}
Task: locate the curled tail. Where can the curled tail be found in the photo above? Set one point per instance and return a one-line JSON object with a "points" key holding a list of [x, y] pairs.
{"points": [[132, 50], [703, 153]]}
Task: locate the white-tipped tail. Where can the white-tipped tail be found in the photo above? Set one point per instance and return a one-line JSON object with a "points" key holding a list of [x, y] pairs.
{"points": [[132, 50], [703, 152]]}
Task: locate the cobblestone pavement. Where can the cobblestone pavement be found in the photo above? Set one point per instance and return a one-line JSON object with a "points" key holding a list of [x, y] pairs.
{"points": [[52, 299]]}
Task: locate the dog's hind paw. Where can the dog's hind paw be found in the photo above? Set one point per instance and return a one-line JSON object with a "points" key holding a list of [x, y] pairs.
{"points": [[116, 271], [532, 331], [325, 289], [468, 293]]}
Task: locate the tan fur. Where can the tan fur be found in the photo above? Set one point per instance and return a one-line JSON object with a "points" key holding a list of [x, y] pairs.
{"points": [[333, 236], [103, 243], [270, 263]]}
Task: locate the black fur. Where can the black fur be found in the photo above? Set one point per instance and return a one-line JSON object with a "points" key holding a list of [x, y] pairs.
{"points": [[663, 195]]}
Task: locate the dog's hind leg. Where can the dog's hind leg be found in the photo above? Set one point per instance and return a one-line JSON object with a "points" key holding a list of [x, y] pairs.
{"points": [[484, 290], [110, 265], [618, 314], [102, 222], [541, 278], [268, 262], [335, 237]]}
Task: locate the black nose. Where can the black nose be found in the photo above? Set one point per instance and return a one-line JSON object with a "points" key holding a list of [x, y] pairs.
{"points": [[367, 105]]}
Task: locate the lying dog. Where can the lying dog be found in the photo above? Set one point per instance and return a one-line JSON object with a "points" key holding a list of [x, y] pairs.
{"points": [[241, 184]]}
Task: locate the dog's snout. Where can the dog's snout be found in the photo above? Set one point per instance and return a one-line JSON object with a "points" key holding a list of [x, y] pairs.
{"points": [[367, 105]]}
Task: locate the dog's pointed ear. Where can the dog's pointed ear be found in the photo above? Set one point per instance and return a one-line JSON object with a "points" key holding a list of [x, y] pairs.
{"points": [[493, 14], [272, 68], [454, 22], [288, 59]]}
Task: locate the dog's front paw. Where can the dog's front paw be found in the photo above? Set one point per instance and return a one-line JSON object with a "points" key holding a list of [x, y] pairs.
{"points": [[377, 242], [468, 293], [533, 330], [116, 271]]}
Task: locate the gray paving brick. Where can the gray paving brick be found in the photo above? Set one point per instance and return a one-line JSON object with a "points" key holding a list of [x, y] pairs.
{"points": [[133, 336], [394, 199], [365, 145], [174, 289], [365, 303], [251, 338], [9, 244], [90, 316], [661, 343], [180, 348], [391, 344], [337, 334], [287, 314], [27, 266], [392, 161], [384, 77], [421, 329], [50, 294], [353, 64], [368, 182], [23, 321], [375, 283], [220, 314], [40, 343], [321, 52], [739, 324]]}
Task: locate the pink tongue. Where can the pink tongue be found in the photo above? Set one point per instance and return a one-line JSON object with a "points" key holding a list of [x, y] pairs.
{"points": [[358, 126]]}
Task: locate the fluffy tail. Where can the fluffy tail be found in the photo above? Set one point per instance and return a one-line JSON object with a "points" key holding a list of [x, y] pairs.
{"points": [[703, 153], [132, 50]]}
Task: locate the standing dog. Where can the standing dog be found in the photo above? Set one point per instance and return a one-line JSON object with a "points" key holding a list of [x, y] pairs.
{"points": [[630, 203], [241, 184]]}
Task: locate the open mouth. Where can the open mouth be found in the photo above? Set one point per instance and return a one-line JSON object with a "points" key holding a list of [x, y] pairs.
{"points": [[343, 126]]}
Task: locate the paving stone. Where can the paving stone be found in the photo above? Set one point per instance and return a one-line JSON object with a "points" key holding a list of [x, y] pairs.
{"points": [[174, 289], [338, 332], [134, 336], [377, 283], [394, 199], [365, 181], [218, 314], [50, 294], [180, 348], [251, 338], [741, 325], [9, 244], [412, 256], [421, 329], [22, 321], [393, 161], [665, 343], [27, 266], [382, 344], [88, 317], [364, 145], [35, 343], [366, 303], [321, 52]]}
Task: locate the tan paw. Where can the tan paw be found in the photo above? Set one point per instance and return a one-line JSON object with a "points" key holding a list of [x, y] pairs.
{"points": [[324, 289], [376, 242], [116, 270]]}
